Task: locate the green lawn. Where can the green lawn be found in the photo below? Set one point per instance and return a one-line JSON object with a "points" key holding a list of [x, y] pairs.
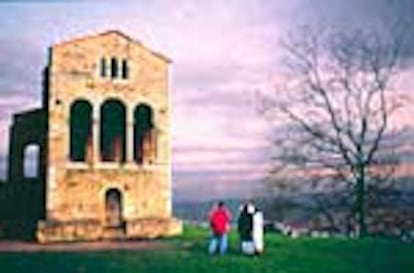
{"points": [[188, 254]]}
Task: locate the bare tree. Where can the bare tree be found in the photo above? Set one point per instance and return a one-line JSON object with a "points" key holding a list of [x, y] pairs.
{"points": [[334, 113]]}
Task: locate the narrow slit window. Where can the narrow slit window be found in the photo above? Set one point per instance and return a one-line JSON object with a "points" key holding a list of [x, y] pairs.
{"points": [[114, 68], [125, 72], [103, 67]]}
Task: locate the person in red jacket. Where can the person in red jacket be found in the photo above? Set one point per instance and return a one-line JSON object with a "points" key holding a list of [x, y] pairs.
{"points": [[219, 218]]}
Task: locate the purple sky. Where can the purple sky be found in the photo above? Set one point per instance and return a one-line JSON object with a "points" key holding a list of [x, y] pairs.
{"points": [[221, 50]]}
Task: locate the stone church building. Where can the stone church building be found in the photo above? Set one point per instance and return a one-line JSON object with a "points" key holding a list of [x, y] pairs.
{"points": [[103, 138]]}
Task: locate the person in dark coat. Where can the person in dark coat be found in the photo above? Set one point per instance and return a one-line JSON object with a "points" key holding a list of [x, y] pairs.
{"points": [[245, 229]]}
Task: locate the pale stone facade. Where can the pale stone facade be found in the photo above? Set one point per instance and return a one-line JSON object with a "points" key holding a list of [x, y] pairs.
{"points": [[127, 192]]}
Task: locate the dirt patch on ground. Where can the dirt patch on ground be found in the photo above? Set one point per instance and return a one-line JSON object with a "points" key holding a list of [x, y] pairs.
{"points": [[19, 246]]}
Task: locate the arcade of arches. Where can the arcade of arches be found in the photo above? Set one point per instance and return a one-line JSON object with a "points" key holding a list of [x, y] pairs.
{"points": [[115, 132]]}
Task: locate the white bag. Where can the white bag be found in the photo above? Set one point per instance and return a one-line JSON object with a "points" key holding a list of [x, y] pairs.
{"points": [[247, 247]]}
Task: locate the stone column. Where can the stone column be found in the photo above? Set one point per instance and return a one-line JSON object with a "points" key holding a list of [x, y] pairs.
{"points": [[158, 135], [96, 133], [130, 134], [154, 144]]}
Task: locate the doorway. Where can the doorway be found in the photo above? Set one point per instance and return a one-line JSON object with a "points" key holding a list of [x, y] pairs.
{"points": [[113, 207]]}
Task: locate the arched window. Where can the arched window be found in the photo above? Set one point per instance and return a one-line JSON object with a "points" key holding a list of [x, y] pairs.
{"points": [[125, 70], [114, 68], [31, 161], [113, 131], [144, 134], [80, 130]]}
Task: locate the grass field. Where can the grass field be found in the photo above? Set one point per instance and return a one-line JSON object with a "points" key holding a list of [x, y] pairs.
{"points": [[188, 254]]}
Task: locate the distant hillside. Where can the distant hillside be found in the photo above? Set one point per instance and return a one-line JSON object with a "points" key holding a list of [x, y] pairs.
{"points": [[198, 210], [300, 205]]}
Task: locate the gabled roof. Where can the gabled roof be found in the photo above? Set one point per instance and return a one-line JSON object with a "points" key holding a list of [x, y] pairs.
{"points": [[118, 33]]}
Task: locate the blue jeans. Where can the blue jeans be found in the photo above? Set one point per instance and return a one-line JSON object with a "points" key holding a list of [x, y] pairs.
{"points": [[219, 241]]}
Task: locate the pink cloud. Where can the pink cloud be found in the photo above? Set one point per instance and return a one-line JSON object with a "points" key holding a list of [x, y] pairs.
{"points": [[221, 51]]}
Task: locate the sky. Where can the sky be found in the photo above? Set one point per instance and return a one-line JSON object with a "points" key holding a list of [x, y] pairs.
{"points": [[222, 52]]}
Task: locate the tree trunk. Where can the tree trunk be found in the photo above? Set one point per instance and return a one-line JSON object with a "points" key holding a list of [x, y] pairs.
{"points": [[360, 203]]}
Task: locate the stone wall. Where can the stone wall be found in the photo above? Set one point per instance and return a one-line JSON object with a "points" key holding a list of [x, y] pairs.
{"points": [[82, 195], [85, 230], [153, 227], [92, 230]]}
